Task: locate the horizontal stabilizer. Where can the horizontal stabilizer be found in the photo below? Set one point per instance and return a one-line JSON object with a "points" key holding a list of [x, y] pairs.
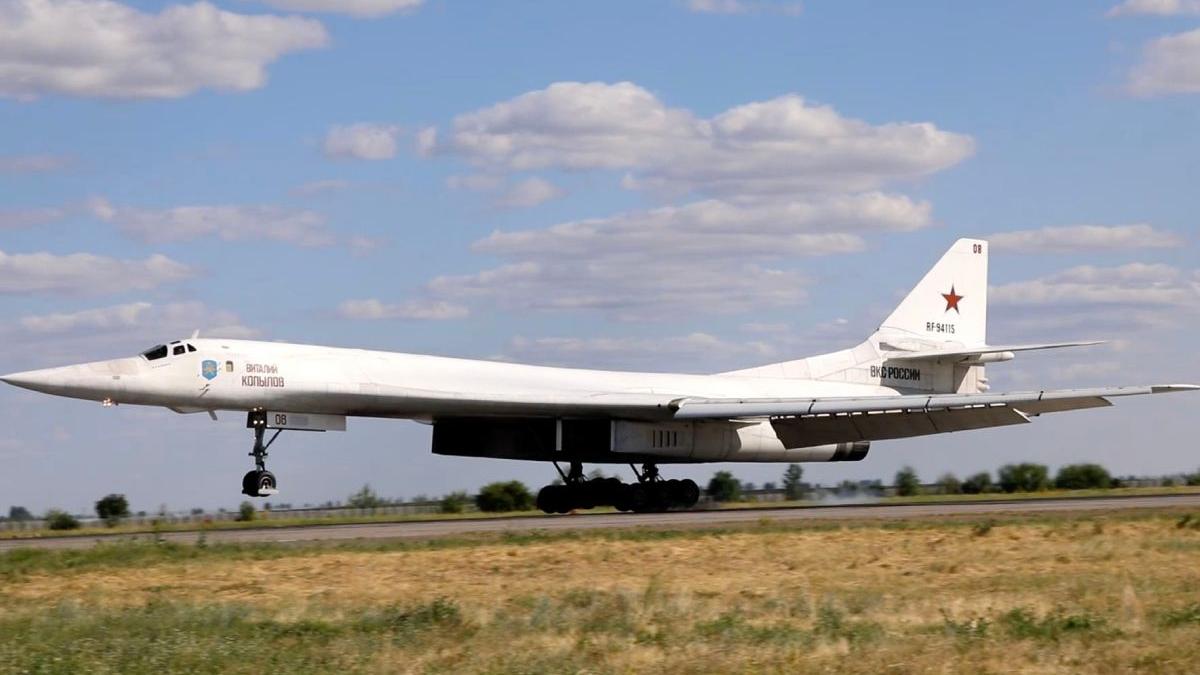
{"points": [[966, 353]]}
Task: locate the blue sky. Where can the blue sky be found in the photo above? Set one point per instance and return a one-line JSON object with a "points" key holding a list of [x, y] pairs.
{"points": [[692, 185]]}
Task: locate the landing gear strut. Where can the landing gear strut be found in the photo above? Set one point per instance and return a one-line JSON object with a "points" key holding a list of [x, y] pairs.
{"points": [[259, 482], [650, 493], [654, 493]]}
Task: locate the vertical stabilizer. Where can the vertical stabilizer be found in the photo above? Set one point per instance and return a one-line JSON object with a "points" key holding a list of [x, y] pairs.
{"points": [[949, 304], [946, 310]]}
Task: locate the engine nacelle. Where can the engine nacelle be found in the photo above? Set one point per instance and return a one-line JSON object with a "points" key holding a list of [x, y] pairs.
{"points": [[723, 441], [619, 441]]}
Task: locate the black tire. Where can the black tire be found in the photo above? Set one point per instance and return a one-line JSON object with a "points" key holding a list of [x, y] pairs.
{"points": [[585, 495], [640, 498], [250, 484], [622, 499], [545, 499], [660, 496], [555, 499], [608, 491], [263, 482], [564, 498], [673, 492], [688, 494]]}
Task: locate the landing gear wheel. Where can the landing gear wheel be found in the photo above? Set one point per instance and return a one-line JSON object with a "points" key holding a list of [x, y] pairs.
{"points": [[660, 496], [249, 484], [651, 494], [688, 493], [608, 490], [554, 499], [640, 498], [259, 483], [584, 495], [622, 497], [265, 484], [683, 493]]}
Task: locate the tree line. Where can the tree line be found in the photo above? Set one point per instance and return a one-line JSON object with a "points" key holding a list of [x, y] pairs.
{"points": [[513, 495]]}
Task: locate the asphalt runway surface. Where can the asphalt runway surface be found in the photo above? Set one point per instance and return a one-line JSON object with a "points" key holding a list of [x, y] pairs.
{"points": [[432, 529]]}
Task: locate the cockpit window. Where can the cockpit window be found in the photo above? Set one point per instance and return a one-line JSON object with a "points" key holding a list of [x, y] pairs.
{"points": [[191, 348], [156, 352], [179, 350]]}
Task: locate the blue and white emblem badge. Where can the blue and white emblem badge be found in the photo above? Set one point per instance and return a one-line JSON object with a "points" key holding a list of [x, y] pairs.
{"points": [[208, 369]]}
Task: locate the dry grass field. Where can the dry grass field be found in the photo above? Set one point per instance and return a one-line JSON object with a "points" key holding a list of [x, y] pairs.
{"points": [[1093, 593]]}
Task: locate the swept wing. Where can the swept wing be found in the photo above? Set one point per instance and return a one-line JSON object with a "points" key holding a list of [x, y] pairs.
{"points": [[815, 421]]}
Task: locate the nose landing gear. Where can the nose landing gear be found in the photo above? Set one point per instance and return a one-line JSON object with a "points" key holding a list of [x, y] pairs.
{"points": [[259, 482]]}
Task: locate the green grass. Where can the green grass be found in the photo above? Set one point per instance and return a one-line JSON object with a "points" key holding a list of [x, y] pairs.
{"points": [[261, 523], [985, 497], [439, 637], [181, 637]]}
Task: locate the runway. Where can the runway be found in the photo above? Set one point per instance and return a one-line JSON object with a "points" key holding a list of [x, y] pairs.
{"points": [[433, 529]]}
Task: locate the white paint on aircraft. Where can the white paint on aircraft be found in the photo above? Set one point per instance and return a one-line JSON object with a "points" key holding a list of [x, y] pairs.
{"points": [[922, 372]]}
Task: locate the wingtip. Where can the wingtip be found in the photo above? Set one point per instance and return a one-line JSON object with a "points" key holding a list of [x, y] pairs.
{"points": [[1167, 388]]}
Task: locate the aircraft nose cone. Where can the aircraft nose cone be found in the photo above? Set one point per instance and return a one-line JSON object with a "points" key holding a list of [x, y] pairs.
{"points": [[37, 380]]}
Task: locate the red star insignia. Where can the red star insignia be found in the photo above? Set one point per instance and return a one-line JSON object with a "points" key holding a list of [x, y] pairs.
{"points": [[952, 299]]}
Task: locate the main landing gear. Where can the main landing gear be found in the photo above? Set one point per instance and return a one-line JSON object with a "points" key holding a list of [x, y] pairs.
{"points": [[259, 482], [651, 492]]}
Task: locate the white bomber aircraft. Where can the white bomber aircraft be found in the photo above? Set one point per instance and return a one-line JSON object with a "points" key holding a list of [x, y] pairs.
{"points": [[921, 373]]}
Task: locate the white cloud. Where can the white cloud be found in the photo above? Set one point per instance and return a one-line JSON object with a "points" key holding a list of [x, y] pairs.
{"points": [[426, 141], [530, 192], [355, 8], [32, 163], [475, 182], [230, 223], [1139, 303], [85, 273], [777, 146], [101, 318], [744, 7], [364, 140], [19, 218], [362, 246], [182, 318], [105, 332], [673, 259], [1137, 284], [1169, 65], [101, 48], [775, 179], [654, 290], [1155, 7], [714, 229], [424, 310], [1075, 238], [173, 318], [766, 327], [700, 349], [523, 194]]}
